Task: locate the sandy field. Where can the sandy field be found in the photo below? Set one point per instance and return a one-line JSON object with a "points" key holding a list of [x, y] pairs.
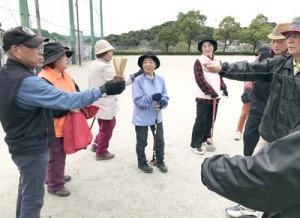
{"points": [[117, 188]]}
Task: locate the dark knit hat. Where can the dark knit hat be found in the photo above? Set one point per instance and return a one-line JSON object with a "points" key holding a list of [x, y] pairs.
{"points": [[149, 54], [21, 35], [54, 51]]}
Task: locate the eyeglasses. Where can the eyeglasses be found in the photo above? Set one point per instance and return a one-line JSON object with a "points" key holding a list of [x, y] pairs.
{"points": [[39, 47], [293, 36]]}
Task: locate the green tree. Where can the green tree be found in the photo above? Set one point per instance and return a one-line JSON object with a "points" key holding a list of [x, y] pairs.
{"points": [[189, 26], [167, 36], [228, 31], [257, 31]]}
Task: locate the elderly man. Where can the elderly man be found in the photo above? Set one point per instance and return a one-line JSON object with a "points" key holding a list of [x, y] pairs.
{"points": [[259, 97], [255, 181], [26, 117]]}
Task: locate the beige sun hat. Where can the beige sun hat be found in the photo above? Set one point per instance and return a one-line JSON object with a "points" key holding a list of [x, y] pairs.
{"points": [[103, 46], [280, 27]]}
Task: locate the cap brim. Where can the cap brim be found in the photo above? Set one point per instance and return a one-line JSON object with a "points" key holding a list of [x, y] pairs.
{"points": [[271, 36], [36, 41], [69, 53], [290, 31]]}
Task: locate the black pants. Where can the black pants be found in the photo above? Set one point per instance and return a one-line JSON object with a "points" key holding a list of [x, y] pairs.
{"points": [[251, 133], [141, 142], [203, 124]]}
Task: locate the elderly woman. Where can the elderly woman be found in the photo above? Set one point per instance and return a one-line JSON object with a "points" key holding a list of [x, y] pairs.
{"points": [[149, 95], [56, 60]]}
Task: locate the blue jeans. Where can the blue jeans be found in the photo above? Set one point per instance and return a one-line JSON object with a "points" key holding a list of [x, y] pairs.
{"points": [[141, 142], [31, 183]]}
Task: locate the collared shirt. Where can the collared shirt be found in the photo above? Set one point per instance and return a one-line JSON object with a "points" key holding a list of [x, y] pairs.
{"points": [[296, 67], [36, 92]]}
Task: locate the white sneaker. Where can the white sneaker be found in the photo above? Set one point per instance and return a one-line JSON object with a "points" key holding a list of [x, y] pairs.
{"points": [[197, 150], [238, 135], [240, 211]]}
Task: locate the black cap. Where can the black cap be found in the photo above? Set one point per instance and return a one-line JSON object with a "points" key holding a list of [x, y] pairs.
{"points": [[149, 54], [54, 51], [21, 35]]}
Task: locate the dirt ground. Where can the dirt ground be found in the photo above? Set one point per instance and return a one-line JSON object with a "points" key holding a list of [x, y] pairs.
{"points": [[117, 188]]}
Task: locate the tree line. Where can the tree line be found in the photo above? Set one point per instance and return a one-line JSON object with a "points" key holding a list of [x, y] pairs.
{"points": [[183, 35]]}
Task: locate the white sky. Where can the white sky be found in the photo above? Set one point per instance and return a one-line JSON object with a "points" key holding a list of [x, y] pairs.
{"points": [[122, 16]]}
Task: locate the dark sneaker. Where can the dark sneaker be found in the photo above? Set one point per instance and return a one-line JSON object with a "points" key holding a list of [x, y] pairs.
{"points": [[64, 192], [162, 167], [93, 147], [106, 156], [145, 168], [67, 178]]}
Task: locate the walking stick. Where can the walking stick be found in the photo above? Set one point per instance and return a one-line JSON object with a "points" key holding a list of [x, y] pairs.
{"points": [[213, 119], [92, 123], [153, 161]]}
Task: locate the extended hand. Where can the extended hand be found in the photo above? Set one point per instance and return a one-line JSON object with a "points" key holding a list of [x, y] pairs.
{"points": [[212, 67], [113, 87]]}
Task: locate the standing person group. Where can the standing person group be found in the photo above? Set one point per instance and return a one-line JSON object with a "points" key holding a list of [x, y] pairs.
{"points": [[26, 117], [261, 91], [149, 94], [246, 97], [266, 182], [209, 87]]}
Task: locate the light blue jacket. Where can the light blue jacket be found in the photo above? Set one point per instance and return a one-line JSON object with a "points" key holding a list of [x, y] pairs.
{"points": [[144, 107]]}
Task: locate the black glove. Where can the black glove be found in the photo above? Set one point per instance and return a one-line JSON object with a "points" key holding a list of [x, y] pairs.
{"points": [[162, 104], [133, 76], [156, 97], [246, 96], [225, 92], [141, 71], [113, 87], [214, 94]]}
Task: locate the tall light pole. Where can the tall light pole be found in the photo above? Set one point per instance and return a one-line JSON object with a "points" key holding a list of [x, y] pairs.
{"points": [[92, 30], [24, 14], [72, 31], [38, 18], [78, 34], [101, 20]]}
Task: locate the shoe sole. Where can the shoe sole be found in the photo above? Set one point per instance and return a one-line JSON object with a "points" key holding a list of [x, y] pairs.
{"points": [[163, 171], [199, 153], [105, 158], [59, 194], [150, 171]]}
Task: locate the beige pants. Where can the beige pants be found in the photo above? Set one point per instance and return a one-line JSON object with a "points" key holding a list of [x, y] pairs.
{"points": [[261, 143]]}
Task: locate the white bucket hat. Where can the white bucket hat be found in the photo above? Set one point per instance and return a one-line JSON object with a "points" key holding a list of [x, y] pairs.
{"points": [[103, 46]]}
